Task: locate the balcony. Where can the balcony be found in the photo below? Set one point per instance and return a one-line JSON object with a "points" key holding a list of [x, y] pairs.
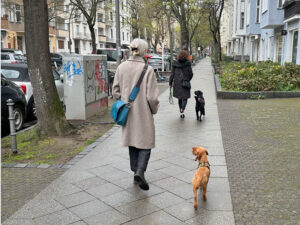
{"points": [[62, 33], [272, 18], [52, 30], [101, 25], [4, 23], [82, 36], [102, 38], [291, 9]]}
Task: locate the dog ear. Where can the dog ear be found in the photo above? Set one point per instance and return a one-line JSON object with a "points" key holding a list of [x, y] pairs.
{"points": [[206, 152], [195, 92]]}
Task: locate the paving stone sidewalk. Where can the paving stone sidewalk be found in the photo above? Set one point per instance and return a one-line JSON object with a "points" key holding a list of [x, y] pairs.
{"points": [[261, 141], [99, 189]]}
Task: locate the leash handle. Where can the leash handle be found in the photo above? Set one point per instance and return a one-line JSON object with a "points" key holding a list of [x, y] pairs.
{"points": [[171, 101]]}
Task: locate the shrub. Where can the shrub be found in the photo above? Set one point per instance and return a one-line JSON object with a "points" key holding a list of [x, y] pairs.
{"points": [[262, 76]]}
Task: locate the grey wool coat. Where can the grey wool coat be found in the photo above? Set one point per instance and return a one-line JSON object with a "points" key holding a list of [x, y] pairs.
{"points": [[139, 130], [182, 70]]}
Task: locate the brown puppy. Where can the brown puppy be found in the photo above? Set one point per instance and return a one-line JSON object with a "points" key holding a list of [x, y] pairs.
{"points": [[202, 174]]}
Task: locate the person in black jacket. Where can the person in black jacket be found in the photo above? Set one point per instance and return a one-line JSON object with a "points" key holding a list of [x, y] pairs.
{"points": [[180, 80]]}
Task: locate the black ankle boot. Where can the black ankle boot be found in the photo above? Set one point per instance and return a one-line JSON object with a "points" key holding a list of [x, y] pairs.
{"points": [[140, 178]]}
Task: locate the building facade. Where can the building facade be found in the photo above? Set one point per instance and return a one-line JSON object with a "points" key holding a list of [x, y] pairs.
{"points": [[271, 30], [68, 29]]}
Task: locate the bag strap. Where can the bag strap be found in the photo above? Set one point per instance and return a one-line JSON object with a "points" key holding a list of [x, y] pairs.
{"points": [[142, 76], [136, 88]]}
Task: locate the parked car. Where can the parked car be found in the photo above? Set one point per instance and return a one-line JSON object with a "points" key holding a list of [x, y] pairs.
{"points": [[9, 90], [7, 57], [111, 54], [18, 73], [56, 59], [10, 50], [156, 63]]}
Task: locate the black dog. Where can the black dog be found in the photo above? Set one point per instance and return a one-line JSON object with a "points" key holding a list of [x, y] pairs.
{"points": [[200, 103]]}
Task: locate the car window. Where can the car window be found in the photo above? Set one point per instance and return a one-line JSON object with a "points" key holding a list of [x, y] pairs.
{"points": [[18, 57], [19, 52], [56, 75], [10, 74], [4, 57]]}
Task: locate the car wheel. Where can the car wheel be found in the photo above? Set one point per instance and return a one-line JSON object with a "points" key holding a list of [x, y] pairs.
{"points": [[31, 109], [19, 117]]}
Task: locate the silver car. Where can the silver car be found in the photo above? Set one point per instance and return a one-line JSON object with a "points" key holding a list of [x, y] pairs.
{"points": [[7, 57]]}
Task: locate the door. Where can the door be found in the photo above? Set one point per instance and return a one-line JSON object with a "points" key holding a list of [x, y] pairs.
{"points": [[295, 46]]}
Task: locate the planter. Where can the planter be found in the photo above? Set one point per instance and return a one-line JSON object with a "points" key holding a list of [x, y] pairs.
{"points": [[250, 95]]}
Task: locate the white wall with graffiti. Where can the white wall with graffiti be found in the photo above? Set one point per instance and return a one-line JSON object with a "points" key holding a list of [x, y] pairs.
{"points": [[85, 87]]}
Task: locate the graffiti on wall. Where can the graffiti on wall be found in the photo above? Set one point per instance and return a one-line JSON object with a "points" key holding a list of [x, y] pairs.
{"points": [[96, 80], [71, 69]]}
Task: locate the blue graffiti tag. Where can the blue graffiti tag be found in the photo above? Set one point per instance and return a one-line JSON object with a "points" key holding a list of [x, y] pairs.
{"points": [[77, 70]]}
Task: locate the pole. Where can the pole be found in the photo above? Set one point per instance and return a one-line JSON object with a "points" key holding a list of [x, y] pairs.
{"points": [[118, 39], [69, 28], [13, 133], [170, 35], [163, 58]]}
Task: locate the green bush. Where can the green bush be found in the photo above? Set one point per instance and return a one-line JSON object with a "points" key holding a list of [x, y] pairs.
{"points": [[262, 76]]}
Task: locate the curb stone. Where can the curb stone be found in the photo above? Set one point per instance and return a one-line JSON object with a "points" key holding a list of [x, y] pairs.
{"points": [[247, 95], [70, 163]]}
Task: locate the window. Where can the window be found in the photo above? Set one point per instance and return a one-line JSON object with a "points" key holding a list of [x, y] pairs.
{"points": [[11, 13], [10, 74], [295, 46], [5, 57], [18, 13], [61, 44], [127, 36], [242, 20], [279, 48], [84, 45], [123, 36], [280, 3], [265, 5], [257, 11], [84, 31], [111, 33], [77, 29], [122, 5], [111, 16]]}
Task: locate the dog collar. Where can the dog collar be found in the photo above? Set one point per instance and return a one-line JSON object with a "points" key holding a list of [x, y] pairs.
{"points": [[202, 164]]}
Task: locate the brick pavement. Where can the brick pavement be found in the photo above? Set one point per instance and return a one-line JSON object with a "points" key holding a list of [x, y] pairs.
{"points": [[261, 141], [99, 189], [21, 185]]}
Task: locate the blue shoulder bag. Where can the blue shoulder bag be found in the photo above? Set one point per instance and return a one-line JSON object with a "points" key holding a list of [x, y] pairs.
{"points": [[119, 111]]}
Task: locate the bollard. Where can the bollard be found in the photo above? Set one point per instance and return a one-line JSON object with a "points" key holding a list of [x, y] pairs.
{"points": [[12, 127]]}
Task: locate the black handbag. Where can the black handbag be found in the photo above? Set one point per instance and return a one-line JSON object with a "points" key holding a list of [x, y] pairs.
{"points": [[185, 83]]}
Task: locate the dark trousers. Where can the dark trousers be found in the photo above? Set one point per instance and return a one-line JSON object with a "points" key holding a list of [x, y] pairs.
{"points": [[182, 104], [139, 158]]}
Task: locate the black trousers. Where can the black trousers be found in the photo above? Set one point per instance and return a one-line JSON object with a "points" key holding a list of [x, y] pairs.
{"points": [[182, 104], [139, 158]]}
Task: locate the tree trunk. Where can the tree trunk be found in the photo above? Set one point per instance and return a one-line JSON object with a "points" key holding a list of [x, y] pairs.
{"points": [[50, 114], [93, 39], [184, 34]]}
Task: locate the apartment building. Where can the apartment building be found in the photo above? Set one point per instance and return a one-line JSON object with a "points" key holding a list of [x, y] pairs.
{"points": [[270, 32], [67, 27], [226, 28], [12, 25], [110, 24]]}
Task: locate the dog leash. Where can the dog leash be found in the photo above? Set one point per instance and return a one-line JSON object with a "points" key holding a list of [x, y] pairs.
{"points": [[171, 101]]}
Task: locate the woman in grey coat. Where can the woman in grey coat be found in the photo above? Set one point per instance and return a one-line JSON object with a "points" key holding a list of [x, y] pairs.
{"points": [[139, 132], [181, 71]]}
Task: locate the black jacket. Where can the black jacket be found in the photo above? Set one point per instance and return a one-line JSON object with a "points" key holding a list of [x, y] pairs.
{"points": [[182, 70]]}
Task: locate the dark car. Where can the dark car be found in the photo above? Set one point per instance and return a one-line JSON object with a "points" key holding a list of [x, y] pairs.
{"points": [[18, 73], [9, 90], [56, 59]]}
